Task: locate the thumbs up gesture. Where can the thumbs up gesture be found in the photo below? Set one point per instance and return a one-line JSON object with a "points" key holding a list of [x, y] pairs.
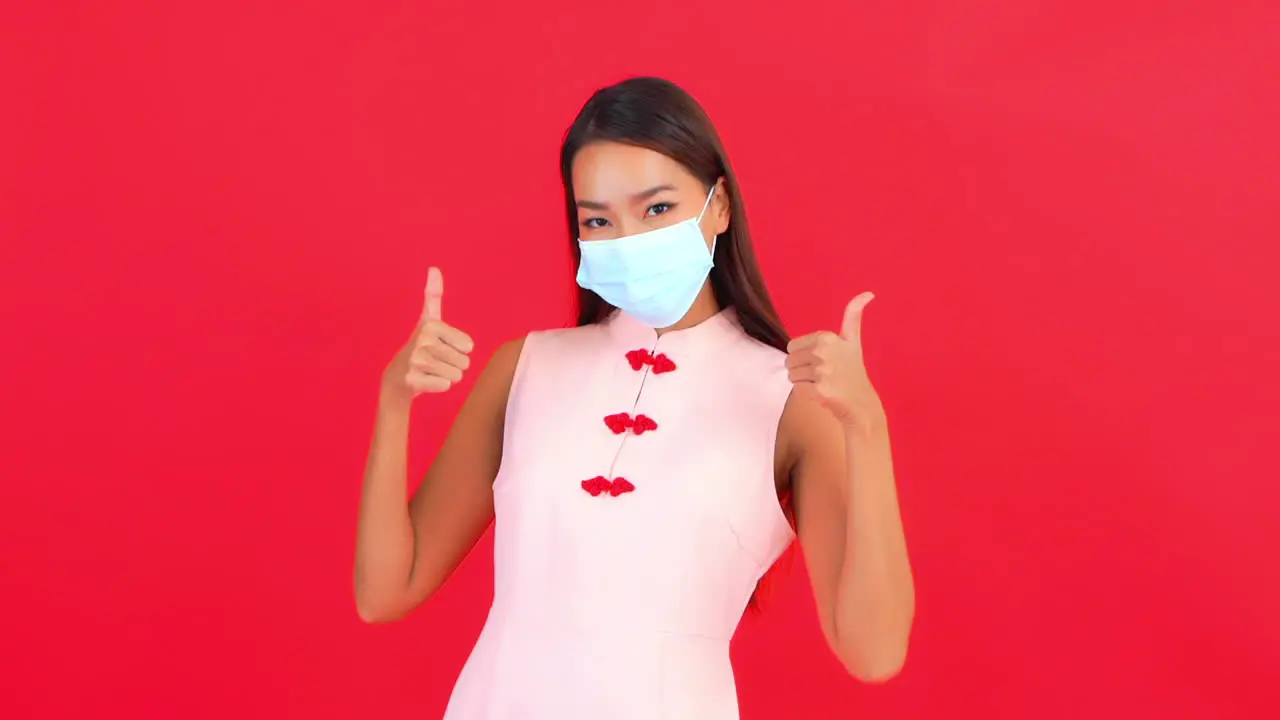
{"points": [[829, 368], [437, 353]]}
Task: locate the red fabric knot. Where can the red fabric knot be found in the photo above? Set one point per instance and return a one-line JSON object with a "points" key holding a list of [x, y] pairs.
{"points": [[600, 484], [622, 422], [660, 362], [639, 358], [597, 485], [619, 423]]}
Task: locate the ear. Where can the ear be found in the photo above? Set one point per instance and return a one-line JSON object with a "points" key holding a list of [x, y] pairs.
{"points": [[722, 207]]}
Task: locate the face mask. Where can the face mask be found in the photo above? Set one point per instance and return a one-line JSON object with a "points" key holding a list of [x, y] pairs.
{"points": [[654, 276]]}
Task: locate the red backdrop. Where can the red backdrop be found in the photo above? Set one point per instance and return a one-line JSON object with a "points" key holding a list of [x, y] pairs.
{"points": [[216, 218]]}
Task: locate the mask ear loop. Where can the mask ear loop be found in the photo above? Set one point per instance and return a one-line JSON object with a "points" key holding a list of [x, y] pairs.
{"points": [[707, 204]]}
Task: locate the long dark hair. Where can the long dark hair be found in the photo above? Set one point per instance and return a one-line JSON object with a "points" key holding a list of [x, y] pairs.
{"points": [[657, 114]]}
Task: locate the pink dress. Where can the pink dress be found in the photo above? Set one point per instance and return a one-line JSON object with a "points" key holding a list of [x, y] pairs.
{"points": [[636, 510]]}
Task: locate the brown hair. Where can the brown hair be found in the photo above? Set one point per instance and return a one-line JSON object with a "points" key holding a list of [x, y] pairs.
{"points": [[657, 114]]}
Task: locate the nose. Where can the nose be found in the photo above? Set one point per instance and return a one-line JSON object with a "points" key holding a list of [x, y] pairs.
{"points": [[629, 226]]}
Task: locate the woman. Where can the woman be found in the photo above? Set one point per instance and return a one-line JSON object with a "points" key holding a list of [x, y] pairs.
{"points": [[639, 464]]}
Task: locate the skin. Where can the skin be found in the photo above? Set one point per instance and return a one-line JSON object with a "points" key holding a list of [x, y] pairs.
{"points": [[833, 448]]}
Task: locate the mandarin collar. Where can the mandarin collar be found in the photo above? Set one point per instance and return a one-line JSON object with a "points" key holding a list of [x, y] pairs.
{"points": [[630, 333]]}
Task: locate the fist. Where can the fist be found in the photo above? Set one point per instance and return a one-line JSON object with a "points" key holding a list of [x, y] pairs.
{"points": [[436, 355], [829, 368]]}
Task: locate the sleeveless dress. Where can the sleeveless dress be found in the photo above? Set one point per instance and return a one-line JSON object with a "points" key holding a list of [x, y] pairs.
{"points": [[635, 512]]}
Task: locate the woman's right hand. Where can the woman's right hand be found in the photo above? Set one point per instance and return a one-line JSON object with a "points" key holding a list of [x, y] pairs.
{"points": [[436, 355]]}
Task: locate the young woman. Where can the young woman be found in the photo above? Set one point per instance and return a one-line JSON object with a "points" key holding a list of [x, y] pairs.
{"points": [[639, 464]]}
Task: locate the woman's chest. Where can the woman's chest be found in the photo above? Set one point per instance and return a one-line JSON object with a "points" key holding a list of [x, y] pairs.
{"points": [[643, 462]]}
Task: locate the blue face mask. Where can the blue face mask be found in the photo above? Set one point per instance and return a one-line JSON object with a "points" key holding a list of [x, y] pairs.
{"points": [[654, 276]]}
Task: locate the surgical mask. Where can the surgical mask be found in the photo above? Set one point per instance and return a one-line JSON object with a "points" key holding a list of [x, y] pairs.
{"points": [[653, 276]]}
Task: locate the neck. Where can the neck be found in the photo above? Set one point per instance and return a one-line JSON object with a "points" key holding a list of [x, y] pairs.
{"points": [[703, 308]]}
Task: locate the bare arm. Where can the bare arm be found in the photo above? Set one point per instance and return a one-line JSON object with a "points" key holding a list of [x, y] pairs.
{"points": [[405, 549], [846, 502], [851, 532]]}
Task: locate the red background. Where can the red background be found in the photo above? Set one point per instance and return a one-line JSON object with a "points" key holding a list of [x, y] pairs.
{"points": [[216, 218]]}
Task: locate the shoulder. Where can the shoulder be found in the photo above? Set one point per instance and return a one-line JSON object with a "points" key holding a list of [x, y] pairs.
{"points": [[806, 420], [508, 353], [802, 414], [557, 346], [810, 434], [494, 381], [756, 354], [765, 357], [510, 358], [565, 335]]}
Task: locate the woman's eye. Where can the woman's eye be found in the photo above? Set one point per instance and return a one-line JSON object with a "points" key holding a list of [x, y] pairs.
{"points": [[594, 223], [659, 208]]}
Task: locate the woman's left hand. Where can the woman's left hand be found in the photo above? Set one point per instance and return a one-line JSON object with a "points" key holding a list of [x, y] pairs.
{"points": [[830, 368]]}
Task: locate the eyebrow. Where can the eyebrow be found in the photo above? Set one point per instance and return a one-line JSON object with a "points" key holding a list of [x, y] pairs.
{"points": [[645, 195]]}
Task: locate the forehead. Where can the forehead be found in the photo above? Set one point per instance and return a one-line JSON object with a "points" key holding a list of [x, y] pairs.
{"points": [[604, 170]]}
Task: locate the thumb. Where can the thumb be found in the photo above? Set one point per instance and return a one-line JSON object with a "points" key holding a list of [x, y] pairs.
{"points": [[851, 327], [433, 295]]}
